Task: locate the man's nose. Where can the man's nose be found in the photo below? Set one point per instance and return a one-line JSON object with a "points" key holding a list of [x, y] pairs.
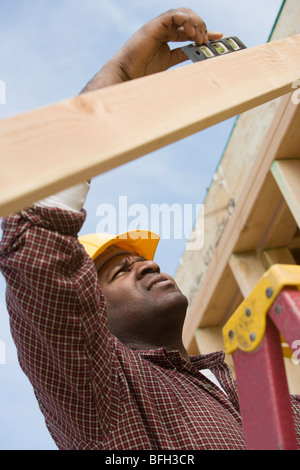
{"points": [[146, 267]]}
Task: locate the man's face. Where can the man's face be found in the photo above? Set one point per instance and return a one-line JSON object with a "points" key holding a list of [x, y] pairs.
{"points": [[140, 299]]}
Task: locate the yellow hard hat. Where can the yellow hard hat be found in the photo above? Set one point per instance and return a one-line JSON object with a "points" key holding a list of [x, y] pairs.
{"points": [[142, 242]]}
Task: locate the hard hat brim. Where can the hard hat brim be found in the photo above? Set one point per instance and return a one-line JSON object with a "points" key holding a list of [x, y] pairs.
{"points": [[142, 242]]}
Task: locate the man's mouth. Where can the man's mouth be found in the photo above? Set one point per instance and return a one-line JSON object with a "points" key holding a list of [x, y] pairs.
{"points": [[160, 281]]}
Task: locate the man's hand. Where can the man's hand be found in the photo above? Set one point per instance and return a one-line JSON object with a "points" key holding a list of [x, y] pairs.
{"points": [[147, 51]]}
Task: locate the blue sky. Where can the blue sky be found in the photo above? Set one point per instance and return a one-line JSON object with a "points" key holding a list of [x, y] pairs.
{"points": [[49, 49]]}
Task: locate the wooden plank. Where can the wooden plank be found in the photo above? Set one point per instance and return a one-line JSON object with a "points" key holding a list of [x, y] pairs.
{"points": [[47, 150], [277, 256], [287, 176], [209, 339], [294, 244], [270, 223], [248, 270], [260, 221], [282, 230], [224, 301]]}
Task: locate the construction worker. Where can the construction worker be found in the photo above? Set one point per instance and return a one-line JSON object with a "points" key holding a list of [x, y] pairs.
{"points": [[96, 324]]}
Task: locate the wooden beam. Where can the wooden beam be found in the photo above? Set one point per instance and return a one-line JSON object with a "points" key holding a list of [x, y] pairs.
{"points": [[47, 150], [247, 269], [270, 223], [287, 176], [277, 256], [261, 219]]}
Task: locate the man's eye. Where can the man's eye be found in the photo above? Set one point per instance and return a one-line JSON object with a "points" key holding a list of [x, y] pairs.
{"points": [[126, 267], [119, 271], [123, 268]]}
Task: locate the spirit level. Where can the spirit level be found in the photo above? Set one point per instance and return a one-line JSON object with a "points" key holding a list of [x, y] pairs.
{"points": [[213, 48]]}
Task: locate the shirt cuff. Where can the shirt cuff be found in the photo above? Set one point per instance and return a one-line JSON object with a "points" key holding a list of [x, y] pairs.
{"points": [[71, 199]]}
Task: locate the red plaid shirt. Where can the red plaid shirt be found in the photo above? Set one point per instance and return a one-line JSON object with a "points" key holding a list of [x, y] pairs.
{"points": [[93, 391]]}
